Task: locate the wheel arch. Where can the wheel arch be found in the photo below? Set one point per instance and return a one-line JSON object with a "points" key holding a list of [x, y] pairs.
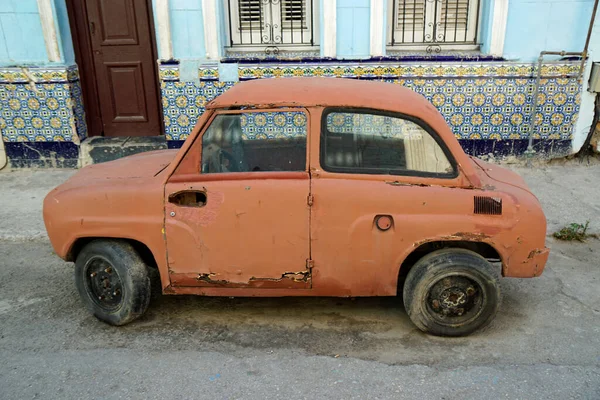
{"points": [[485, 250], [142, 249]]}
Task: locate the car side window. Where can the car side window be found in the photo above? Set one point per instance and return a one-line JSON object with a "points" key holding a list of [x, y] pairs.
{"points": [[371, 143], [255, 142]]}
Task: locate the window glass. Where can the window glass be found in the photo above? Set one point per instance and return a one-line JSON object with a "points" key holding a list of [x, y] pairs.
{"points": [[380, 144], [255, 141]]}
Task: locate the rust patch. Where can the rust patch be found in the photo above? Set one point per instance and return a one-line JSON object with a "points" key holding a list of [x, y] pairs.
{"points": [[207, 277], [467, 236], [419, 184], [531, 255], [302, 276], [458, 236], [169, 290]]}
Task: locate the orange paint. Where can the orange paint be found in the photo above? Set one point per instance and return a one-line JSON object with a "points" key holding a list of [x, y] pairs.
{"points": [[304, 233]]}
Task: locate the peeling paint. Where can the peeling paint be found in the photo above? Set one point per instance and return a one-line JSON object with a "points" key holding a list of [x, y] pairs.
{"points": [[301, 276], [207, 277], [467, 236]]}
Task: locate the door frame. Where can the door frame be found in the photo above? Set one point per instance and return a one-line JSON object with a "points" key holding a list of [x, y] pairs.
{"points": [[189, 175], [84, 57]]}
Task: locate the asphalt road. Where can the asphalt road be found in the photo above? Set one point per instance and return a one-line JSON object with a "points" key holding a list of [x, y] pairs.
{"points": [[545, 342]]}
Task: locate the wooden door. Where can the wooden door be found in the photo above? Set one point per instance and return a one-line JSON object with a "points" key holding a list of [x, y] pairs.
{"points": [[114, 43]]}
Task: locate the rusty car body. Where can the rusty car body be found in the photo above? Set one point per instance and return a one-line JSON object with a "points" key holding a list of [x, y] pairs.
{"points": [[304, 187]]}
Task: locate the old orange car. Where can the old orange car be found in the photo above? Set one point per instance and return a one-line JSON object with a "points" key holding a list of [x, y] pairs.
{"points": [[304, 187]]}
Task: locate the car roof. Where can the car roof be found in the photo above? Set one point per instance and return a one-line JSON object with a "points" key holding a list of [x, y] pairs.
{"points": [[327, 92]]}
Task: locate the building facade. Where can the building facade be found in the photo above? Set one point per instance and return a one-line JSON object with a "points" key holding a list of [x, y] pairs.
{"points": [[71, 71]]}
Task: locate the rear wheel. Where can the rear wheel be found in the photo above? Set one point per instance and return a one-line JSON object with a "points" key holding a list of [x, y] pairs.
{"points": [[112, 281], [451, 292]]}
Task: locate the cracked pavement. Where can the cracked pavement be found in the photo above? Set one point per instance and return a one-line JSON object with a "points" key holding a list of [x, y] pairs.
{"points": [[544, 343]]}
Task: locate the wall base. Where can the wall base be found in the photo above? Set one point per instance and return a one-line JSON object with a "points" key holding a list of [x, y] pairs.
{"points": [[97, 150], [42, 154]]}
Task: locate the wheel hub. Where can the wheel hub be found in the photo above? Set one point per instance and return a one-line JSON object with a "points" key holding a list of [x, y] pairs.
{"points": [[454, 297], [104, 284]]}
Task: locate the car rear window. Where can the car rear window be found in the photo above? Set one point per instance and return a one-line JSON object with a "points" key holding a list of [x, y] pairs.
{"points": [[368, 142]]}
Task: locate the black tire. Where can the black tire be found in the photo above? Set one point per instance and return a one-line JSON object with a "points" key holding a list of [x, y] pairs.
{"points": [[452, 292], [113, 281]]}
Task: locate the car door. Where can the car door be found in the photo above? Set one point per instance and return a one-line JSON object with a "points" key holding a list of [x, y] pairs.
{"points": [[241, 218], [382, 180]]}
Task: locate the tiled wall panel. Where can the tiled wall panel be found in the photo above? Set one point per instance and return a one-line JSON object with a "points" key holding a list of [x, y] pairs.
{"points": [[479, 101], [41, 105]]}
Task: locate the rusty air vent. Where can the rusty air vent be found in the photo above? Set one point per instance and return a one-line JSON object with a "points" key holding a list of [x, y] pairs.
{"points": [[487, 205]]}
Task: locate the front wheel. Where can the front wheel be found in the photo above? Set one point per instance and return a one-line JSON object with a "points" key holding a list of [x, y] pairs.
{"points": [[113, 281], [451, 292]]}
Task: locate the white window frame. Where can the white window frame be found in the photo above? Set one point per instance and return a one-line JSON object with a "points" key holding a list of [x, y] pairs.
{"points": [[422, 39], [276, 33]]}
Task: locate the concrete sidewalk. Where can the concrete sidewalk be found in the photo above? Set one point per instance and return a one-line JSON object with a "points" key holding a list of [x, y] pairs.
{"points": [[569, 193]]}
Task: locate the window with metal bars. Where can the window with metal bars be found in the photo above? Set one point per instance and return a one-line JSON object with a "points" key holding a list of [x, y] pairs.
{"points": [[271, 25], [433, 25]]}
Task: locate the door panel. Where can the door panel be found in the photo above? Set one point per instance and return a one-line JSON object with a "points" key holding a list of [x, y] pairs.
{"points": [[346, 241], [248, 233], [118, 23], [237, 213], [128, 96], [378, 192], [125, 71]]}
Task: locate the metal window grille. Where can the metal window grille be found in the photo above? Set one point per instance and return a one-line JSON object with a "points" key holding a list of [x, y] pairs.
{"points": [[434, 24], [271, 25]]}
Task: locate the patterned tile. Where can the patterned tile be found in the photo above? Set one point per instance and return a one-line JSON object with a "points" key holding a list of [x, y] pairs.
{"points": [[41, 106], [368, 124], [39, 75], [281, 55], [168, 72], [479, 101], [184, 102], [395, 71], [269, 125]]}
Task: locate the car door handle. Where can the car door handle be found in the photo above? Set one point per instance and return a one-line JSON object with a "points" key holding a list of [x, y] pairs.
{"points": [[189, 198]]}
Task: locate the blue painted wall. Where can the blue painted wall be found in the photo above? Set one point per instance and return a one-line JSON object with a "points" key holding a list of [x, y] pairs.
{"points": [[536, 25], [353, 28], [533, 25], [64, 32], [187, 31], [485, 31], [21, 38]]}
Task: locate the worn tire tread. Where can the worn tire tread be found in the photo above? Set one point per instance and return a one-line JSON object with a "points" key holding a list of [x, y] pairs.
{"points": [[132, 271], [437, 262]]}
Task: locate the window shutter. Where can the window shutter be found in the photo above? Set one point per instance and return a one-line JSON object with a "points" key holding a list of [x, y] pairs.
{"points": [[455, 14], [250, 13], [294, 12], [410, 14]]}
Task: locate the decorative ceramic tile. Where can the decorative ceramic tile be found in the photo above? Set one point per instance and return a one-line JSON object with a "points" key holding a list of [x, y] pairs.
{"points": [[40, 110], [168, 72], [269, 125], [209, 73], [39, 75], [389, 71], [184, 102], [479, 101], [368, 124], [78, 110], [281, 55]]}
